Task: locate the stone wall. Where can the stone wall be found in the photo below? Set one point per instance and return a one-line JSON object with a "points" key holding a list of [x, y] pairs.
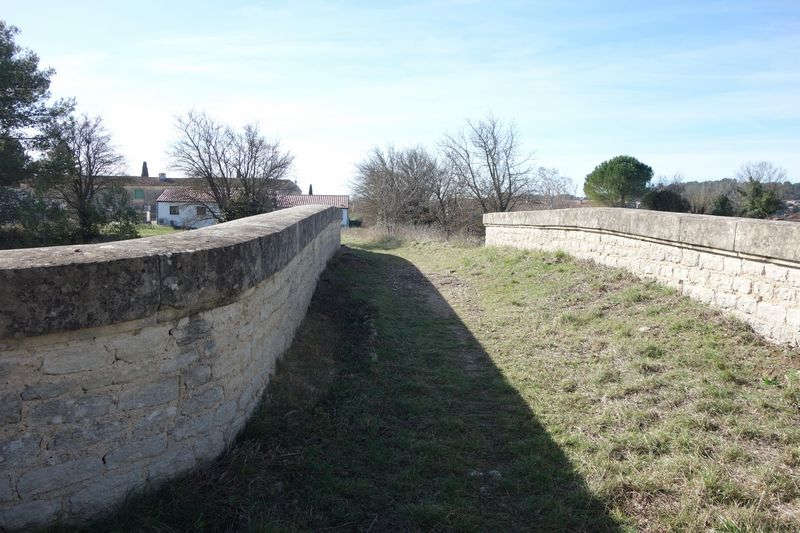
{"points": [[747, 268], [127, 363]]}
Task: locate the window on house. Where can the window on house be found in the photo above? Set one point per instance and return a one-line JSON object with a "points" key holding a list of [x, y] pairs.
{"points": [[174, 210], [138, 194], [201, 211]]}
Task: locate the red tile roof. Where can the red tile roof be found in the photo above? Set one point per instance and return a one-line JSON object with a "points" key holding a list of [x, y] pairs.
{"points": [[135, 181], [184, 194], [333, 200]]}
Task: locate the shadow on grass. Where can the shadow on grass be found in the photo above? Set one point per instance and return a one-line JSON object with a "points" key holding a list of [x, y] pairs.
{"points": [[386, 414]]}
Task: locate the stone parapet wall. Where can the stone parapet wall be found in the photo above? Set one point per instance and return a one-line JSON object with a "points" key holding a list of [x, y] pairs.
{"points": [[128, 363], [747, 268]]}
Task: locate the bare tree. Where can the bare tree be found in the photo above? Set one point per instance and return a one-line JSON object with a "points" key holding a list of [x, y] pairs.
{"points": [[80, 154], [486, 161], [239, 170], [761, 172], [446, 198], [552, 187], [395, 186]]}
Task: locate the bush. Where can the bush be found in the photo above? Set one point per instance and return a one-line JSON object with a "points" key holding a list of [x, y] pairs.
{"points": [[35, 222], [114, 210], [722, 206], [758, 201], [663, 199]]}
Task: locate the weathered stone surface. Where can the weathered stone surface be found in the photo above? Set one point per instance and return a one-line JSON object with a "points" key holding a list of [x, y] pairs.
{"points": [[50, 478], [76, 359], [91, 413], [68, 410], [7, 492], [19, 450], [75, 438], [749, 268], [139, 396], [170, 463], [136, 451], [44, 391], [10, 408], [203, 400], [112, 486], [26, 514], [71, 287]]}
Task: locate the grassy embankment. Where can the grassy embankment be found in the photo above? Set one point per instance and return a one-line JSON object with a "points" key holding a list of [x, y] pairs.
{"points": [[435, 386], [150, 230]]}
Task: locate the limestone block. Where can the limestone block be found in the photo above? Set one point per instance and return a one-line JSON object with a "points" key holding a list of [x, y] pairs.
{"points": [[742, 285], [793, 317], [76, 358], [49, 478], [136, 451], [690, 258], [774, 314], [67, 410], [172, 462], [7, 491], [27, 514], [203, 399], [711, 262], [10, 408], [747, 305], [775, 272], [74, 438], [786, 294], [732, 265], [753, 268], [725, 300], [47, 390], [149, 395], [763, 289], [19, 450], [111, 486]]}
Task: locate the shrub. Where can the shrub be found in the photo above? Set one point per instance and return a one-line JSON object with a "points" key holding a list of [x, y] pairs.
{"points": [[663, 199], [758, 201], [722, 206]]}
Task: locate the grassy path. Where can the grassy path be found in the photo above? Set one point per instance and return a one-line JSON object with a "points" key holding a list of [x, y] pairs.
{"points": [[434, 387]]}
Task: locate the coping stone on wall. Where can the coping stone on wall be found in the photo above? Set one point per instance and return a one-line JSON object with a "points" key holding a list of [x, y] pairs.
{"points": [[61, 288], [762, 238]]}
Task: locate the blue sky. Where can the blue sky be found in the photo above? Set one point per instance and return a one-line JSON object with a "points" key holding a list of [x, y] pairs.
{"points": [[691, 87]]}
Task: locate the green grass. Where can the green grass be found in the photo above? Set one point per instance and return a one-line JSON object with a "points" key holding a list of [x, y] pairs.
{"points": [[441, 387], [150, 230]]}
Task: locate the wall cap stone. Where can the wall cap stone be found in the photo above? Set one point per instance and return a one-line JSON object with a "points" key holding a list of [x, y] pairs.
{"points": [[62, 288], [764, 238]]}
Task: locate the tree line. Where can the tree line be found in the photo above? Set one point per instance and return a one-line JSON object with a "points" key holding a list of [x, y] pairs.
{"points": [[55, 163], [480, 169], [758, 189]]}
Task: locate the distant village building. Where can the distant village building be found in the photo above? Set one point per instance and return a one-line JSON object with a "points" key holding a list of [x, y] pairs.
{"points": [[181, 207], [143, 192]]}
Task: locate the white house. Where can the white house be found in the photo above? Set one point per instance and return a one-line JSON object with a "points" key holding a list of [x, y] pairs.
{"points": [[182, 208]]}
